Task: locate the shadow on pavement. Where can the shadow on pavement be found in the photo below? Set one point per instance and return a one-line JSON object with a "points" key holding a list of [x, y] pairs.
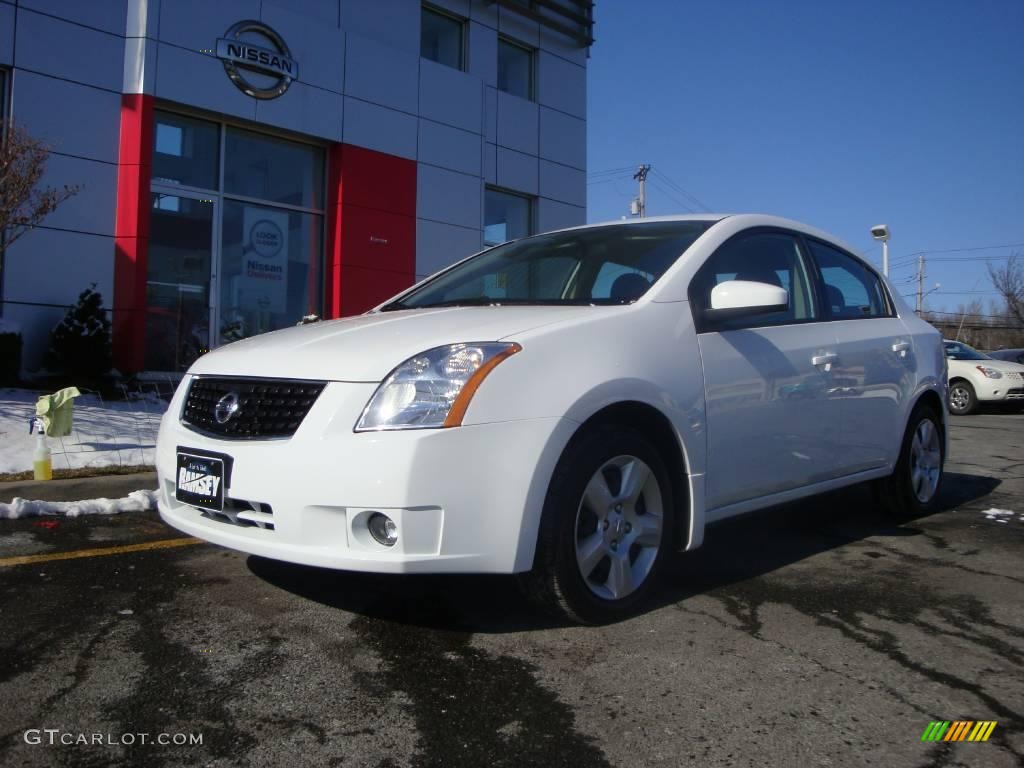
{"points": [[733, 551]]}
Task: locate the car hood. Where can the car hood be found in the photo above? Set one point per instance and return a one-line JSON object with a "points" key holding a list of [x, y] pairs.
{"points": [[367, 348], [1003, 366]]}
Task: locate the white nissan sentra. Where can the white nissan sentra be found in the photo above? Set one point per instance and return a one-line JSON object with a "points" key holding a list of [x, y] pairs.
{"points": [[570, 407]]}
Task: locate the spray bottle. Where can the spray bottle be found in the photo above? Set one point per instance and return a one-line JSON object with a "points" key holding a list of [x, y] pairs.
{"points": [[42, 462]]}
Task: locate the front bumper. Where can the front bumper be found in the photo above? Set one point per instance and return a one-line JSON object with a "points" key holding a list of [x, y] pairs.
{"points": [[466, 499], [1009, 388]]}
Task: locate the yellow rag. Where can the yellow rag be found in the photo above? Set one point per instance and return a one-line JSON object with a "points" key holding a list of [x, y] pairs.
{"points": [[55, 411]]}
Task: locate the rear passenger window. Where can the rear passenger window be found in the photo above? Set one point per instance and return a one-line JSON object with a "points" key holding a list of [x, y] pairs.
{"points": [[762, 257], [852, 291]]}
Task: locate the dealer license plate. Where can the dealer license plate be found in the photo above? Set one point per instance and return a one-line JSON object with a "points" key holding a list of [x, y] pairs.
{"points": [[200, 481]]}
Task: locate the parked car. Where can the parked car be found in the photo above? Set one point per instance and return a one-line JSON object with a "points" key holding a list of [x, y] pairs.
{"points": [[975, 377], [569, 407], [1010, 355]]}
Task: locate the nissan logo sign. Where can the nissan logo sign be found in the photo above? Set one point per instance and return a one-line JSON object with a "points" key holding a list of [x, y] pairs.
{"points": [[257, 70]]}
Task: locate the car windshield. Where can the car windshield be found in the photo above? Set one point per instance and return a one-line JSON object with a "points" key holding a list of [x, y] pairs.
{"points": [[956, 350], [614, 264]]}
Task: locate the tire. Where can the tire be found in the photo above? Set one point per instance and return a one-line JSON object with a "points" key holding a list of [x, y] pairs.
{"points": [[913, 488], [601, 545], [962, 400]]}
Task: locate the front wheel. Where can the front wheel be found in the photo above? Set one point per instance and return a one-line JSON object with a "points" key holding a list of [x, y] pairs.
{"points": [[913, 488], [605, 528], [962, 399]]}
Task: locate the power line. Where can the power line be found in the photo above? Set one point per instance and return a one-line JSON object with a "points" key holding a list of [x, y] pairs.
{"points": [[669, 194], [971, 258], [625, 169], [674, 185], [972, 248]]}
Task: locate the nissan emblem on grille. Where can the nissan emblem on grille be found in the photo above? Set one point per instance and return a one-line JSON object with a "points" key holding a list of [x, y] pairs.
{"points": [[226, 407], [240, 408]]}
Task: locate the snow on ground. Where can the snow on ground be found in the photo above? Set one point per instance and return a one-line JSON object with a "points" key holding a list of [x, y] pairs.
{"points": [[136, 501], [1000, 515], [105, 433]]}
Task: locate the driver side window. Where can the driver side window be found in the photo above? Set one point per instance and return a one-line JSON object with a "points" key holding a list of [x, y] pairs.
{"points": [[762, 257]]}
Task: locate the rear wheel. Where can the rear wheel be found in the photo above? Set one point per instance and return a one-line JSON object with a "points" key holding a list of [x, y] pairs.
{"points": [[913, 488], [962, 399], [605, 527]]}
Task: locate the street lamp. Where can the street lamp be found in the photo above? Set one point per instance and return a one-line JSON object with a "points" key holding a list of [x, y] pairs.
{"points": [[881, 232]]}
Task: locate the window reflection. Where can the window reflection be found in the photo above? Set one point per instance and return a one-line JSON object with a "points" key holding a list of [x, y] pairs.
{"points": [[506, 216], [270, 277], [273, 169], [185, 151]]}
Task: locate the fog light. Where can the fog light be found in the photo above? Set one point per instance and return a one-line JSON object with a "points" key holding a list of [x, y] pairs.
{"points": [[383, 529]]}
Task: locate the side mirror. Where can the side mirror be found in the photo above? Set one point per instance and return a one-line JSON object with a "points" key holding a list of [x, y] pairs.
{"points": [[744, 297]]}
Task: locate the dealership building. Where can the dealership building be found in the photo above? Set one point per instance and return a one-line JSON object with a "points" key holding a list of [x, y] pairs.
{"points": [[244, 163]]}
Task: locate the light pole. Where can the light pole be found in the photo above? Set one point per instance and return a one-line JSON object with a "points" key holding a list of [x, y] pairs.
{"points": [[881, 232]]}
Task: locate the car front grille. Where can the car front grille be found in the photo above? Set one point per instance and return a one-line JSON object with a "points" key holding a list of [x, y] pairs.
{"points": [[248, 409]]}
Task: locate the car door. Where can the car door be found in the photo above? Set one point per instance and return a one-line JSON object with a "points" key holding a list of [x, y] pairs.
{"points": [[875, 367], [771, 423]]}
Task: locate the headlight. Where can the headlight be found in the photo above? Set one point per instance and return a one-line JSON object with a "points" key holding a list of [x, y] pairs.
{"points": [[991, 373], [433, 389]]}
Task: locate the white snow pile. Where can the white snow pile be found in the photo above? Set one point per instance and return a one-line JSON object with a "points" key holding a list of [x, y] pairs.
{"points": [[136, 501], [1000, 515], [104, 433]]}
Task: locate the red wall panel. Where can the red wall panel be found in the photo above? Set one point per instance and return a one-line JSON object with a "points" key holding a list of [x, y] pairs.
{"points": [[371, 228], [131, 231]]}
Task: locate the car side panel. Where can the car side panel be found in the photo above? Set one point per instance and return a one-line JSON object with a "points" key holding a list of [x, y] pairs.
{"points": [[876, 374], [773, 421], [647, 353]]}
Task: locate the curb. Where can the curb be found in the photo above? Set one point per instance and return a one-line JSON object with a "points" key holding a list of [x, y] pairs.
{"points": [[78, 488]]}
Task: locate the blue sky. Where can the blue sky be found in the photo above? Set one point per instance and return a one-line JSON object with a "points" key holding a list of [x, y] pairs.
{"points": [[839, 114]]}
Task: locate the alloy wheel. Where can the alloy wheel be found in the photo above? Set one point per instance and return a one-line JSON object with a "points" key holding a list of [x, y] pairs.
{"points": [[925, 461], [959, 398], [619, 525]]}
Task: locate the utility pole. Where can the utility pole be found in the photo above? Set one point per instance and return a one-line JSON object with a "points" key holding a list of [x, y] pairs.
{"points": [[639, 207], [920, 283]]}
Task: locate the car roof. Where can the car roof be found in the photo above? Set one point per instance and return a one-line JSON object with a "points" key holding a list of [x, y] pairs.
{"points": [[745, 219]]}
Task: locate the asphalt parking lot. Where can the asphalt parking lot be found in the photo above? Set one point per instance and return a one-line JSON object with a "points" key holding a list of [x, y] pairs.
{"points": [[814, 634]]}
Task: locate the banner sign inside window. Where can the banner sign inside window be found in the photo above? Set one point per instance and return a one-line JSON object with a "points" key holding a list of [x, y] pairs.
{"points": [[264, 282]]}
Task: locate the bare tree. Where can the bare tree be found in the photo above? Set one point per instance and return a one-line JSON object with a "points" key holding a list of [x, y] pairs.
{"points": [[1008, 280], [23, 204]]}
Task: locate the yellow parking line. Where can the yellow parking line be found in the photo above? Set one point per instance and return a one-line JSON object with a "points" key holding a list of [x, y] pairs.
{"points": [[99, 552]]}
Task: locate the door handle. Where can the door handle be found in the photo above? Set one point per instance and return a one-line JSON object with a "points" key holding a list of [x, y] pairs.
{"points": [[901, 347]]}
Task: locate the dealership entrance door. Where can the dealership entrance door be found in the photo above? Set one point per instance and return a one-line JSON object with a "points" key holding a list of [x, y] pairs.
{"points": [[179, 280], [236, 226]]}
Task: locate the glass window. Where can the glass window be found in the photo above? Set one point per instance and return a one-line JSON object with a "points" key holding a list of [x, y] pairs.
{"points": [[956, 350], [515, 69], [761, 257], [852, 291], [269, 269], [506, 216], [185, 151], [608, 277], [571, 267], [273, 169], [441, 39]]}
